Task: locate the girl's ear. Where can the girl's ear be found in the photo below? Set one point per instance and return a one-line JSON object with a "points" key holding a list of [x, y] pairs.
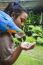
{"points": [[13, 14]]}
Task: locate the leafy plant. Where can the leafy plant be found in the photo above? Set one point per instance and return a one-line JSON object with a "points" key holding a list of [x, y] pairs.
{"points": [[37, 29], [17, 42], [39, 41], [30, 39], [33, 19]]}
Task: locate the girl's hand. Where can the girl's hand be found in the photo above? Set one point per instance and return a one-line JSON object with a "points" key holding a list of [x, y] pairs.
{"points": [[27, 46]]}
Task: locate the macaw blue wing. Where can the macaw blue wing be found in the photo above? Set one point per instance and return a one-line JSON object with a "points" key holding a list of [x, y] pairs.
{"points": [[6, 23]]}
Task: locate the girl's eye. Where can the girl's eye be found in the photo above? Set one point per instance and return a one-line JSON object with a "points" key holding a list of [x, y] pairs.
{"points": [[22, 20]]}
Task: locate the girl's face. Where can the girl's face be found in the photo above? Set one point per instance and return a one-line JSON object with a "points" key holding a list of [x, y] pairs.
{"points": [[19, 21]]}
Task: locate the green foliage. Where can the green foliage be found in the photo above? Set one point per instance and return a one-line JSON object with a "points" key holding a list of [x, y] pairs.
{"points": [[35, 35], [17, 42], [35, 30], [32, 19], [39, 41], [30, 39], [30, 27]]}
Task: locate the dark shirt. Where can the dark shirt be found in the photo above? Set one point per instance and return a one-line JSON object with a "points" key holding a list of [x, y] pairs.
{"points": [[6, 47]]}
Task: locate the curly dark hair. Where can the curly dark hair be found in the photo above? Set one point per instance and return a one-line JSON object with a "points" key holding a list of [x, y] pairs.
{"points": [[14, 7]]}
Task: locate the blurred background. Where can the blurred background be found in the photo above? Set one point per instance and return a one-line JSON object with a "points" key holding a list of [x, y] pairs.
{"points": [[31, 4]]}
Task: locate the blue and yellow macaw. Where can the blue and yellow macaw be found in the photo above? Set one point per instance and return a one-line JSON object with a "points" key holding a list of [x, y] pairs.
{"points": [[7, 24]]}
